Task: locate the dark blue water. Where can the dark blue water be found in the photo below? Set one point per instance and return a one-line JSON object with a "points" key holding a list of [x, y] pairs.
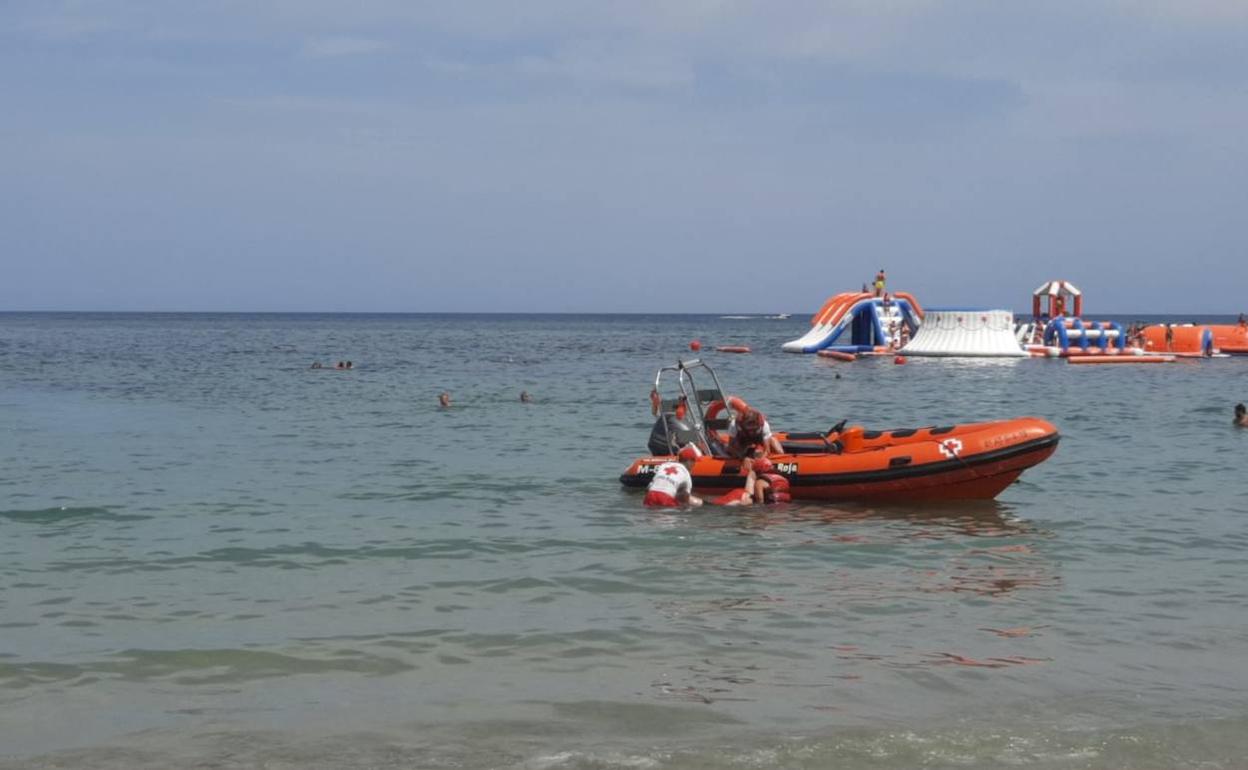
{"points": [[213, 555]]}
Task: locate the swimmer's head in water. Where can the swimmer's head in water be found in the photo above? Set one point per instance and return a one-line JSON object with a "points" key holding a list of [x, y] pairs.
{"points": [[1240, 410]]}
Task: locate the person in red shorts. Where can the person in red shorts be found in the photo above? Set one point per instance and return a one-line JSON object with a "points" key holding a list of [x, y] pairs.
{"points": [[672, 486]]}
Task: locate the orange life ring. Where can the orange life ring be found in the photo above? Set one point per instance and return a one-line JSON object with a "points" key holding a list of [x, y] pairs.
{"points": [[713, 409]]}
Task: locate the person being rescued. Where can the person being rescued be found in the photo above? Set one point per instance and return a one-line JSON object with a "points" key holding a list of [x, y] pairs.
{"points": [[762, 483], [748, 430], [672, 486]]}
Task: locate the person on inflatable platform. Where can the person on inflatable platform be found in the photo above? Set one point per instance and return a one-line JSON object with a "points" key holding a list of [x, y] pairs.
{"points": [[880, 281], [672, 486], [748, 430]]}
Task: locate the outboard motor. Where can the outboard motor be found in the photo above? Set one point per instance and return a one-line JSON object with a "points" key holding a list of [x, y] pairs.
{"points": [[669, 426]]}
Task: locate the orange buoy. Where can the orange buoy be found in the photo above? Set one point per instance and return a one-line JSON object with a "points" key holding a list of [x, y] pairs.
{"points": [[838, 355], [695, 346], [733, 348], [899, 360]]}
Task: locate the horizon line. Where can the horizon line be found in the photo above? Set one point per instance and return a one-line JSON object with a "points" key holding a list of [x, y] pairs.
{"points": [[763, 315]]}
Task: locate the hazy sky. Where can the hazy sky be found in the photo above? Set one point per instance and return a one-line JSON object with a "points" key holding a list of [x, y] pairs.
{"points": [[698, 155]]}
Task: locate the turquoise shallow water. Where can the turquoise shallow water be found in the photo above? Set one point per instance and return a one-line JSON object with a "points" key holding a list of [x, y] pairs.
{"points": [[214, 555]]}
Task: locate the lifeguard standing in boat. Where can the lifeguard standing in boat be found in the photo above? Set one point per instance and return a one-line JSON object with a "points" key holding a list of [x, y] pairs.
{"points": [[749, 430]]}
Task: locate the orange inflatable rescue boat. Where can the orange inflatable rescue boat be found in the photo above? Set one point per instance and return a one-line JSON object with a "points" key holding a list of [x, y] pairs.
{"points": [[949, 462]]}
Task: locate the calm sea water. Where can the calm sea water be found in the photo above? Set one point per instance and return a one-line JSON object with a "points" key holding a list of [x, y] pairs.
{"points": [[214, 556]]}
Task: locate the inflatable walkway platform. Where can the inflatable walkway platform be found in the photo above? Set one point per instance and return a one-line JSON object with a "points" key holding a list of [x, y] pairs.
{"points": [[966, 332]]}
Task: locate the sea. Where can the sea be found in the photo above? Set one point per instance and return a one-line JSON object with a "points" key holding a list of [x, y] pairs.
{"points": [[215, 556]]}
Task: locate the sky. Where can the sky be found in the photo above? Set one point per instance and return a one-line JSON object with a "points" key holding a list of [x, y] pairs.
{"points": [[641, 156]]}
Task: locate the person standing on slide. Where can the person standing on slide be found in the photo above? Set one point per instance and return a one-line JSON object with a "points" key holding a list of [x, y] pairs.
{"points": [[672, 486], [880, 280]]}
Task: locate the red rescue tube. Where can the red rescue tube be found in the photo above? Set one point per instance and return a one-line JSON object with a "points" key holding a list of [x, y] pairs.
{"points": [[732, 348], [839, 355], [735, 497]]}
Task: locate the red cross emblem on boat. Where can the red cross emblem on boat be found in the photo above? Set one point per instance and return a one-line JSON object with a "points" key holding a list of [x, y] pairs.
{"points": [[951, 447]]}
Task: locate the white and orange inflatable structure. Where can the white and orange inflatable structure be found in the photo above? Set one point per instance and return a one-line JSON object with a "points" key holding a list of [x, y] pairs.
{"points": [[1058, 329], [858, 322]]}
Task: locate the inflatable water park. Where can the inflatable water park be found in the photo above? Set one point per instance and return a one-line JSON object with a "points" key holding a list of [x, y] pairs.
{"points": [[855, 324]]}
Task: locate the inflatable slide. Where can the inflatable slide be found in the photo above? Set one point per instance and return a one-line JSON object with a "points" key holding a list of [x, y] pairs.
{"points": [[858, 321]]}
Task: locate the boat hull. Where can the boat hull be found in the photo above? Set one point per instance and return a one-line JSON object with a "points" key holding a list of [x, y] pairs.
{"points": [[969, 462]]}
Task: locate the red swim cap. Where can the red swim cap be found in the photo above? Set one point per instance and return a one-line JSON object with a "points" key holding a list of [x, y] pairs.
{"points": [[688, 452]]}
